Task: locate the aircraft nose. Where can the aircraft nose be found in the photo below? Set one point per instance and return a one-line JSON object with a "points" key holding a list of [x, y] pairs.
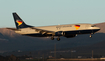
{"points": [[98, 28], [95, 28]]}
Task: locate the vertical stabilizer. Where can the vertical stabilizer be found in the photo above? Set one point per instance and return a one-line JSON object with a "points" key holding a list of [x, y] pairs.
{"points": [[19, 22]]}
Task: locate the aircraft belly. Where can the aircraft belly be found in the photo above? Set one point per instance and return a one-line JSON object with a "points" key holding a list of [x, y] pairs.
{"points": [[86, 31], [36, 35], [66, 32]]}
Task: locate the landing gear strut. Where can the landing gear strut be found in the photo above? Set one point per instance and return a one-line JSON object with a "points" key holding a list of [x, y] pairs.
{"points": [[90, 36], [52, 38], [58, 39]]}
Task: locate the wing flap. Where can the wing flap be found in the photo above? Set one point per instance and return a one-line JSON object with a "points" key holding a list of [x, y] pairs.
{"points": [[13, 29], [43, 31]]}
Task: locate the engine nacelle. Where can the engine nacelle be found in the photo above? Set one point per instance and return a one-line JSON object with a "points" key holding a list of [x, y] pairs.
{"points": [[69, 35], [60, 33]]}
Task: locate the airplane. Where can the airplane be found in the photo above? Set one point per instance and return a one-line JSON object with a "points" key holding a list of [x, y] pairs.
{"points": [[68, 30]]}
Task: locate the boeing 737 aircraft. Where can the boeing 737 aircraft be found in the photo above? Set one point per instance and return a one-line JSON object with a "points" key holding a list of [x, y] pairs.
{"points": [[68, 31]]}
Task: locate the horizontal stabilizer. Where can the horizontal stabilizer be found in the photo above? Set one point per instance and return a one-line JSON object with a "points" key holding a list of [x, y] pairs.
{"points": [[13, 29]]}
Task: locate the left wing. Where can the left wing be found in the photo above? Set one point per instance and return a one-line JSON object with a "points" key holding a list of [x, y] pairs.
{"points": [[36, 29], [43, 31]]}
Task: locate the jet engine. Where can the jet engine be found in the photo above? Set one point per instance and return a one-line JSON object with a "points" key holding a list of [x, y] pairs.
{"points": [[60, 33]]}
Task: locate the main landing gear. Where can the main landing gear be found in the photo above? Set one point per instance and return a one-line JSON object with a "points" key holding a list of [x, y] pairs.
{"points": [[58, 39], [52, 38]]}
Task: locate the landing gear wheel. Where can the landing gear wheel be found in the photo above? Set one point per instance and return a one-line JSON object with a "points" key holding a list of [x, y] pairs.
{"points": [[58, 39], [90, 36], [52, 38]]}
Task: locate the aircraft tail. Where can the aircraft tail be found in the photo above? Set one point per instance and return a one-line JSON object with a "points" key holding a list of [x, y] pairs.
{"points": [[19, 22]]}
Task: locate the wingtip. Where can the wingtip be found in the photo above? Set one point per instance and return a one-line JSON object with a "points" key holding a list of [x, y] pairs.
{"points": [[14, 13]]}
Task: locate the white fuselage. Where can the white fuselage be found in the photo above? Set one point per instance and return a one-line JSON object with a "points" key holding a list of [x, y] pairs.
{"points": [[56, 28]]}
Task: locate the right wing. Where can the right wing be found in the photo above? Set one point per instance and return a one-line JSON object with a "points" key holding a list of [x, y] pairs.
{"points": [[13, 29]]}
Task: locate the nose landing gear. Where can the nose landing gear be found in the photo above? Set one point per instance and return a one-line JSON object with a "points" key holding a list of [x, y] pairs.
{"points": [[90, 35]]}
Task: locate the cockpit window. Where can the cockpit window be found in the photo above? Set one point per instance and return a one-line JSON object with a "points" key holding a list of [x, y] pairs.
{"points": [[93, 26]]}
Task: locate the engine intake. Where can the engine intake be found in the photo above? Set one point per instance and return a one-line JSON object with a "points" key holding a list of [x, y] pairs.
{"points": [[60, 33]]}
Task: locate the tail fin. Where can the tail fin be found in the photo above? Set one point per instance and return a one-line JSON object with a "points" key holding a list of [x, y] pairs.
{"points": [[19, 22]]}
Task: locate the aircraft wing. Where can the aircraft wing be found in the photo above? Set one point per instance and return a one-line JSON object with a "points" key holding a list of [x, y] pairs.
{"points": [[36, 29], [13, 29], [43, 31]]}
